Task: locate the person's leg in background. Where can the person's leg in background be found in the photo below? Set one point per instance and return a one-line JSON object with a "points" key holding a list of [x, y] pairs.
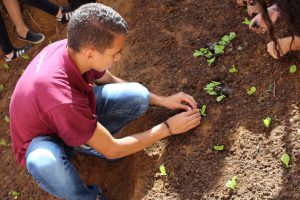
{"points": [[13, 8], [48, 162], [8, 49], [62, 14], [74, 4], [117, 105]]}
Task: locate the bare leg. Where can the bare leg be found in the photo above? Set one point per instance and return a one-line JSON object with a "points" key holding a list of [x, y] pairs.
{"points": [[285, 46], [13, 8]]}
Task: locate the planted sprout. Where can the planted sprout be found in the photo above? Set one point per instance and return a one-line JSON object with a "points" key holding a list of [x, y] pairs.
{"points": [[233, 69], [293, 69], [214, 49], [15, 194], [246, 21], [162, 170], [6, 118], [285, 158], [251, 90], [203, 110], [232, 183], [25, 57], [6, 66], [218, 147], [211, 61], [218, 89], [267, 122], [3, 142], [1, 87], [220, 98]]}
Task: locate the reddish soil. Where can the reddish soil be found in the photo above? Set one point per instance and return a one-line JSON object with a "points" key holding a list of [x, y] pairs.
{"points": [[163, 36]]}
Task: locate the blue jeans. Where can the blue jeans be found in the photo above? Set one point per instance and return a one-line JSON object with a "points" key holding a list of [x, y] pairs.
{"points": [[48, 158]]}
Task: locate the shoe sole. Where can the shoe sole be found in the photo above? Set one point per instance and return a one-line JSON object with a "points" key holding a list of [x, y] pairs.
{"points": [[37, 42]]}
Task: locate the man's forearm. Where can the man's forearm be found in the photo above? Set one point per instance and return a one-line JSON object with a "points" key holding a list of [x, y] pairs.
{"points": [[156, 99], [137, 142]]}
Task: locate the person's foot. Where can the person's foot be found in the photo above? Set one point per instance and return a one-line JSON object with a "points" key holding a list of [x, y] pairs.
{"points": [[32, 37], [64, 15], [17, 52]]}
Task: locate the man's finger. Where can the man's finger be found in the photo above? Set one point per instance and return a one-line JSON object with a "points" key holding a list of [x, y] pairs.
{"points": [[188, 100]]}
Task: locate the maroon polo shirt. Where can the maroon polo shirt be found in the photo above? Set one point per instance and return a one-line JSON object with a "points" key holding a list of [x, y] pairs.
{"points": [[53, 98]]}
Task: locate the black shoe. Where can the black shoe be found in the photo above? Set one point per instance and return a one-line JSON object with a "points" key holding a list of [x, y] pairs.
{"points": [[67, 13], [100, 196], [17, 52], [32, 37]]}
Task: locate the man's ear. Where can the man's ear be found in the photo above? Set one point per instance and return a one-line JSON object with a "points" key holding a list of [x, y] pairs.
{"points": [[88, 53]]}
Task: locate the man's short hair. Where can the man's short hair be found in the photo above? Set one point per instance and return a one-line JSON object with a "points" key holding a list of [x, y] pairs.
{"points": [[95, 25]]}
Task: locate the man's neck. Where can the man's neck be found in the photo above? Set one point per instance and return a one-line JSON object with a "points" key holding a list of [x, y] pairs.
{"points": [[74, 56]]}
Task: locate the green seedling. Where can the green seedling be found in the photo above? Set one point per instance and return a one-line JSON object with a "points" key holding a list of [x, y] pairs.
{"points": [[218, 147], [1, 87], [15, 194], [232, 183], [247, 21], [226, 39], [25, 57], [285, 158], [163, 170], [215, 49], [211, 61], [209, 88], [3, 142], [293, 69], [6, 66], [203, 110], [200, 52], [212, 91], [233, 69], [251, 90], [267, 122], [220, 98], [219, 48], [6, 118]]}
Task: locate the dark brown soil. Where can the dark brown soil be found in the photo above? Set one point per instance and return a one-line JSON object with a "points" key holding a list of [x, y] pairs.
{"points": [[163, 36]]}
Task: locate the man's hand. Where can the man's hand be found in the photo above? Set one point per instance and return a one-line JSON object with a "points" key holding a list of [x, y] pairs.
{"points": [[184, 121], [179, 101]]}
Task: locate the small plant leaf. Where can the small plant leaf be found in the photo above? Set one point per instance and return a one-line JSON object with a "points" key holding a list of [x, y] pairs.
{"points": [[25, 57], [218, 147], [163, 170], [232, 183], [267, 122], [220, 98], [211, 60], [203, 110], [251, 90], [6, 118], [219, 48], [3, 142], [232, 35], [247, 21], [293, 69], [285, 158], [15, 194], [197, 53], [1, 87], [233, 69], [6, 66]]}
